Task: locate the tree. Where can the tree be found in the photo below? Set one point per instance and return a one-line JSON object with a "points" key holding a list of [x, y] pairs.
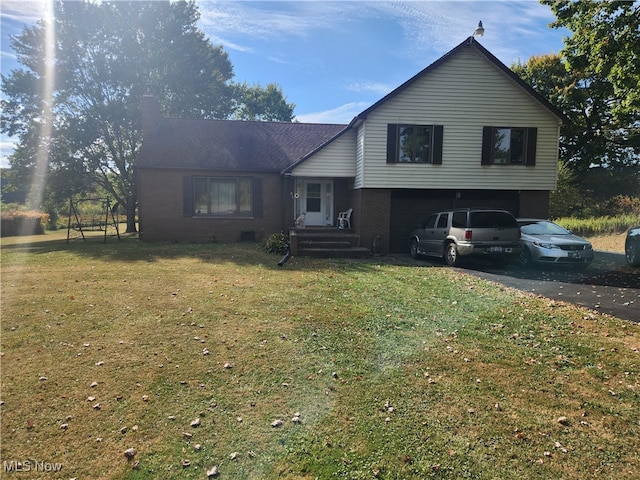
{"points": [[78, 96], [603, 54], [567, 199], [590, 162], [606, 41], [594, 82], [585, 101], [257, 103]]}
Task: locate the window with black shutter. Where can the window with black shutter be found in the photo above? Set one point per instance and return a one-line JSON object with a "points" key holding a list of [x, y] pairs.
{"points": [[509, 146], [414, 143]]}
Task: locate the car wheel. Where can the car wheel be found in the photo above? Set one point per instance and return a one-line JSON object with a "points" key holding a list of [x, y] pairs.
{"points": [[525, 258], [413, 249], [451, 255], [632, 252]]}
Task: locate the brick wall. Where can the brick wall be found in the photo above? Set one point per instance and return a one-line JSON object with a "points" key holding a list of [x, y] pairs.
{"points": [[160, 209], [371, 217]]}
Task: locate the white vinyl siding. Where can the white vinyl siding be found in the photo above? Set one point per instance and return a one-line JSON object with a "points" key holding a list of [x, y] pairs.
{"points": [[464, 94], [360, 156], [337, 159]]}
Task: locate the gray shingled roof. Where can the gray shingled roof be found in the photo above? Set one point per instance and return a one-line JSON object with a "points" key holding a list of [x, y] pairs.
{"points": [[231, 144]]}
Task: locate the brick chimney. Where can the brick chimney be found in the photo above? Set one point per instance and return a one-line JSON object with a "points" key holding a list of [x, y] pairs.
{"points": [[150, 112]]}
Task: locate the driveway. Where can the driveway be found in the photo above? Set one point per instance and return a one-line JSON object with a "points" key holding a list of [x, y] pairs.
{"points": [[608, 285]]}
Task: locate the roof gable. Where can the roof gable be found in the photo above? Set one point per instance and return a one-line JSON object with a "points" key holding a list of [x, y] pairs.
{"points": [[231, 144], [468, 43]]}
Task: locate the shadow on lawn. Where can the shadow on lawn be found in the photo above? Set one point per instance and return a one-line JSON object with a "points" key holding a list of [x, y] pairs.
{"points": [[608, 269], [129, 249]]}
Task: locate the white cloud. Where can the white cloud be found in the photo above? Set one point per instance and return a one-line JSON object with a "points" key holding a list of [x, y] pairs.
{"points": [[370, 87], [438, 26], [513, 27], [8, 56], [23, 11], [6, 149], [267, 19], [228, 44], [342, 114]]}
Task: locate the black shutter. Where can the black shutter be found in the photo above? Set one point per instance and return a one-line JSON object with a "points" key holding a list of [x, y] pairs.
{"points": [[532, 140], [257, 197], [187, 196], [392, 143], [438, 131], [487, 141]]}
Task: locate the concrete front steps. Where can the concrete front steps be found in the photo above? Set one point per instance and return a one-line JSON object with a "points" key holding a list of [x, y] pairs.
{"points": [[326, 242]]}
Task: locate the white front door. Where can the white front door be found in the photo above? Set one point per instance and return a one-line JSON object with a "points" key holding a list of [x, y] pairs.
{"points": [[317, 202]]}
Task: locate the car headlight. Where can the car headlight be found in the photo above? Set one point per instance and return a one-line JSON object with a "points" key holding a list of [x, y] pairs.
{"points": [[545, 245]]}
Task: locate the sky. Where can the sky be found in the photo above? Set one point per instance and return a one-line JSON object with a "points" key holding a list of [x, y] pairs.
{"points": [[334, 59]]}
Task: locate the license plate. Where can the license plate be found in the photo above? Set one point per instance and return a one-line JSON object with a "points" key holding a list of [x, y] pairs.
{"points": [[495, 249], [574, 255]]}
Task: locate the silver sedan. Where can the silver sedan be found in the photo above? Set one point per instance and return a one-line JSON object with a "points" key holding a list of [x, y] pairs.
{"points": [[546, 242]]}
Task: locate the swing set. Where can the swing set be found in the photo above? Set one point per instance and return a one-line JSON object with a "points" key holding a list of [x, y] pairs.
{"points": [[82, 222]]}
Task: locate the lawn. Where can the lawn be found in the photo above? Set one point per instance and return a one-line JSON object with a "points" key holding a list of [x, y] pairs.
{"points": [[203, 356]]}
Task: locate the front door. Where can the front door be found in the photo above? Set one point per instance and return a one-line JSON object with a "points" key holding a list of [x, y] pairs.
{"points": [[317, 202]]}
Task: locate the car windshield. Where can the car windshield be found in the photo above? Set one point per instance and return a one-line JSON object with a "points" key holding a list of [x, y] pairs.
{"points": [[543, 228]]}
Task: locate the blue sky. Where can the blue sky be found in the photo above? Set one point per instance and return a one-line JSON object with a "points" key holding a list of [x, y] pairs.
{"points": [[335, 59]]}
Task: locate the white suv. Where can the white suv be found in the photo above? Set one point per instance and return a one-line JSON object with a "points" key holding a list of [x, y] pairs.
{"points": [[459, 234]]}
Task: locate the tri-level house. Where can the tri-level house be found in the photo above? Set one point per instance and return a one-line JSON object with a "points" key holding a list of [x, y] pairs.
{"points": [[464, 132]]}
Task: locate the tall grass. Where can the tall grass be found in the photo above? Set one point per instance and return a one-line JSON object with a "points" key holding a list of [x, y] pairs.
{"points": [[599, 225], [22, 222]]}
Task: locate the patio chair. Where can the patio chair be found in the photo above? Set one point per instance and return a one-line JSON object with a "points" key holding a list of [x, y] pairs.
{"points": [[344, 219]]}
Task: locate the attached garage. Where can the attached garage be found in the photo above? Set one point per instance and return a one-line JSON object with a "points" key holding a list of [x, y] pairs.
{"points": [[410, 207]]}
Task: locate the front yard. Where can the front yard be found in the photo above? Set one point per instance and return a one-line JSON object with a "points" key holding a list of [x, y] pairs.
{"points": [[203, 356]]}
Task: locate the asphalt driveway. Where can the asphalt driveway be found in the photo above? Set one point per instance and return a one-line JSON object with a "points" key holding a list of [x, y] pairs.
{"points": [[608, 285]]}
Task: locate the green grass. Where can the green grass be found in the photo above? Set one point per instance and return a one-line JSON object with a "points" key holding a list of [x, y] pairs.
{"points": [[397, 370], [599, 225]]}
